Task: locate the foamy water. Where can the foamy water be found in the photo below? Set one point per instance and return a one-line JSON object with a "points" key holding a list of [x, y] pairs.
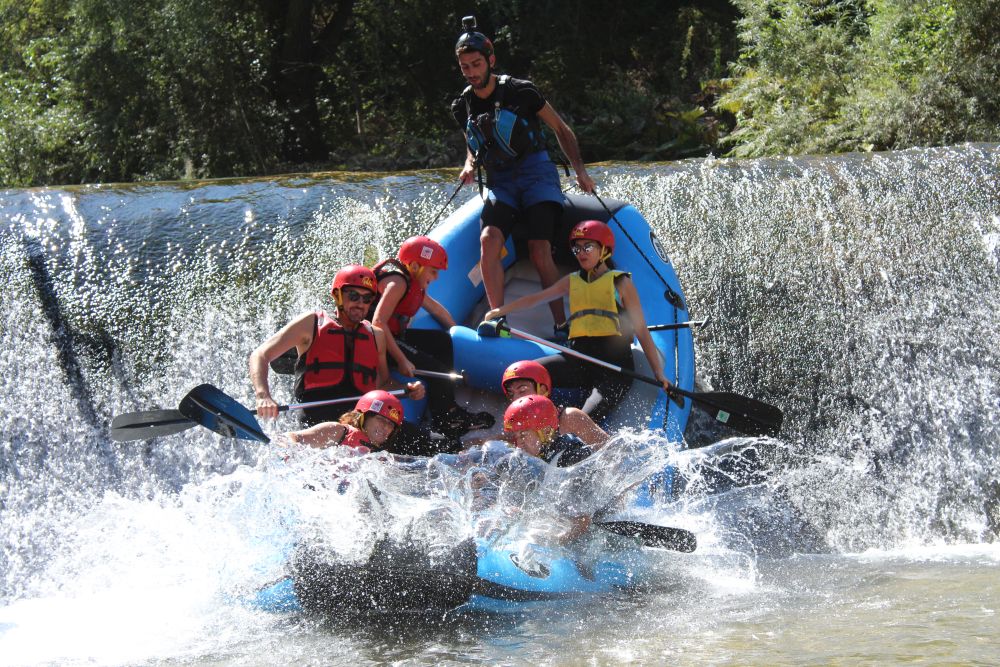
{"points": [[859, 293]]}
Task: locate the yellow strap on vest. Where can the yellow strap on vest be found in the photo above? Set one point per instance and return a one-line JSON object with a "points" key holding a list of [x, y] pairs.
{"points": [[593, 306]]}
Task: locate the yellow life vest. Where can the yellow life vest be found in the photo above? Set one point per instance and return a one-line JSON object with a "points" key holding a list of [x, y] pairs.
{"points": [[593, 306]]}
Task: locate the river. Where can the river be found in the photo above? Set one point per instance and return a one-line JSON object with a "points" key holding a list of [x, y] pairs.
{"points": [[860, 293]]}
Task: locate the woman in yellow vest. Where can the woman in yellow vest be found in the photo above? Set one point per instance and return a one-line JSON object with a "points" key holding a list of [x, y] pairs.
{"points": [[605, 313]]}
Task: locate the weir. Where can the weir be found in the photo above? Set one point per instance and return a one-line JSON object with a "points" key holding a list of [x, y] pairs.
{"points": [[860, 293]]}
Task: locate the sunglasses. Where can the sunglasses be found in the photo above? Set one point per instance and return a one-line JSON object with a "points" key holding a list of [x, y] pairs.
{"points": [[586, 247], [353, 296]]}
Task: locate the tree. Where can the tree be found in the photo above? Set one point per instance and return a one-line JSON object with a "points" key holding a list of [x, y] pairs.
{"points": [[825, 75]]}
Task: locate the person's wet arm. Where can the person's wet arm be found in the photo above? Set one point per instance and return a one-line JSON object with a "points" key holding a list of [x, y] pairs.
{"points": [[319, 436], [568, 144], [414, 390], [630, 299], [298, 334], [393, 289], [438, 312], [560, 288]]}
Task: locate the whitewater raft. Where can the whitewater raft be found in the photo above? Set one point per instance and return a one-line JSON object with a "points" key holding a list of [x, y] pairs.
{"points": [[637, 251], [514, 573], [499, 576]]}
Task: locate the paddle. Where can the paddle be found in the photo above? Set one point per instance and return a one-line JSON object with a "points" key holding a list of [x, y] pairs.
{"points": [[148, 424], [651, 535], [746, 415], [219, 412], [450, 199], [681, 325], [285, 365], [156, 423], [455, 377]]}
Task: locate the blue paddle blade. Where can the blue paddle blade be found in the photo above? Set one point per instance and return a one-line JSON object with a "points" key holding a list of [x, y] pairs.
{"points": [[216, 411]]}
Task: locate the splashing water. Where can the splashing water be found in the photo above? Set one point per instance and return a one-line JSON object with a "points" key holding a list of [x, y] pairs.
{"points": [[859, 293]]}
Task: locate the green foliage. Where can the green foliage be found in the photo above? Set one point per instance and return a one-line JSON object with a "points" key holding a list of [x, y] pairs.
{"points": [[387, 91], [145, 89], [611, 71], [939, 83], [173, 87], [623, 74], [820, 75], [41, 130], [40, 137], [113, 90], [105, 90], [793, 74]]}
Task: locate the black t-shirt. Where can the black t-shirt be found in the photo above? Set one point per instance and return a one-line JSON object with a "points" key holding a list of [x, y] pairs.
{"points": [[519, 96]]}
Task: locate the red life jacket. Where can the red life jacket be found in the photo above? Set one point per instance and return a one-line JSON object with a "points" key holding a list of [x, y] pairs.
{"points": [[356, 438], [411, 301], [338, 357]]}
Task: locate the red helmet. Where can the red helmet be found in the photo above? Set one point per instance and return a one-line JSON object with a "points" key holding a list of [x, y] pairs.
{"points": [[425, 251], [354, 275], [593, 230], [381, 403], [530, 413], [527, 370]]}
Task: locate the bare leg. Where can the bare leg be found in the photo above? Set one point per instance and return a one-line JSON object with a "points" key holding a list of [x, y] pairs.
{"points": [[540, 252], [490, 246]]}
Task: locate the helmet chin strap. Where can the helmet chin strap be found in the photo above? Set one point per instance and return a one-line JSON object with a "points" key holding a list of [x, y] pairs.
{"points": [[605, 256]]}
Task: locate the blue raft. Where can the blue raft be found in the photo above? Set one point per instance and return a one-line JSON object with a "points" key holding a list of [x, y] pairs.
{"points": [[499, 577], [637, 250]]}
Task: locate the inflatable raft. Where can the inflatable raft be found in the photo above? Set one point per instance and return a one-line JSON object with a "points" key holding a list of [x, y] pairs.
{"points": [[637, 250], [501, 575], [511, 573]]}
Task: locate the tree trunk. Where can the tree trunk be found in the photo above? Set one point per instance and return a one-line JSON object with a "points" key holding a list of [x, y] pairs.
{"points": [[304, 43]]}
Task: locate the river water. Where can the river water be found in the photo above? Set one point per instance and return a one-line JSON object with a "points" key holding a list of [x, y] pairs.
{"points": [[860, 293]]}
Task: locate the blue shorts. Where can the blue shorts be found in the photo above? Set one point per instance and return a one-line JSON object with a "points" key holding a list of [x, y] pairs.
{"points": [[531, 180]]}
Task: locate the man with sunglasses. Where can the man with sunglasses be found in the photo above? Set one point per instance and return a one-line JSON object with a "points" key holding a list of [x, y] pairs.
{"points": [[339, 355]]}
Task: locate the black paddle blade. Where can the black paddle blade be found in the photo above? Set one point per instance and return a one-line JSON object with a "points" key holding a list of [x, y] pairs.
{"points": [[651, 535], [148, 424], [493, 328], [746, 415], [216, 411], [285, 364]]}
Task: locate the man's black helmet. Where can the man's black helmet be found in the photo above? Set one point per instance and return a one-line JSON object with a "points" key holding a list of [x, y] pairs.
{"points": [[470, 40]]}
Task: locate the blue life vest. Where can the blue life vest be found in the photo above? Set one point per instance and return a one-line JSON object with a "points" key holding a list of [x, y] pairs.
{"points": [[499, 140]]}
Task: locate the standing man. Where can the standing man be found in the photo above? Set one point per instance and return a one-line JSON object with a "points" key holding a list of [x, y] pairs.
{"points": [[500, 116]]}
